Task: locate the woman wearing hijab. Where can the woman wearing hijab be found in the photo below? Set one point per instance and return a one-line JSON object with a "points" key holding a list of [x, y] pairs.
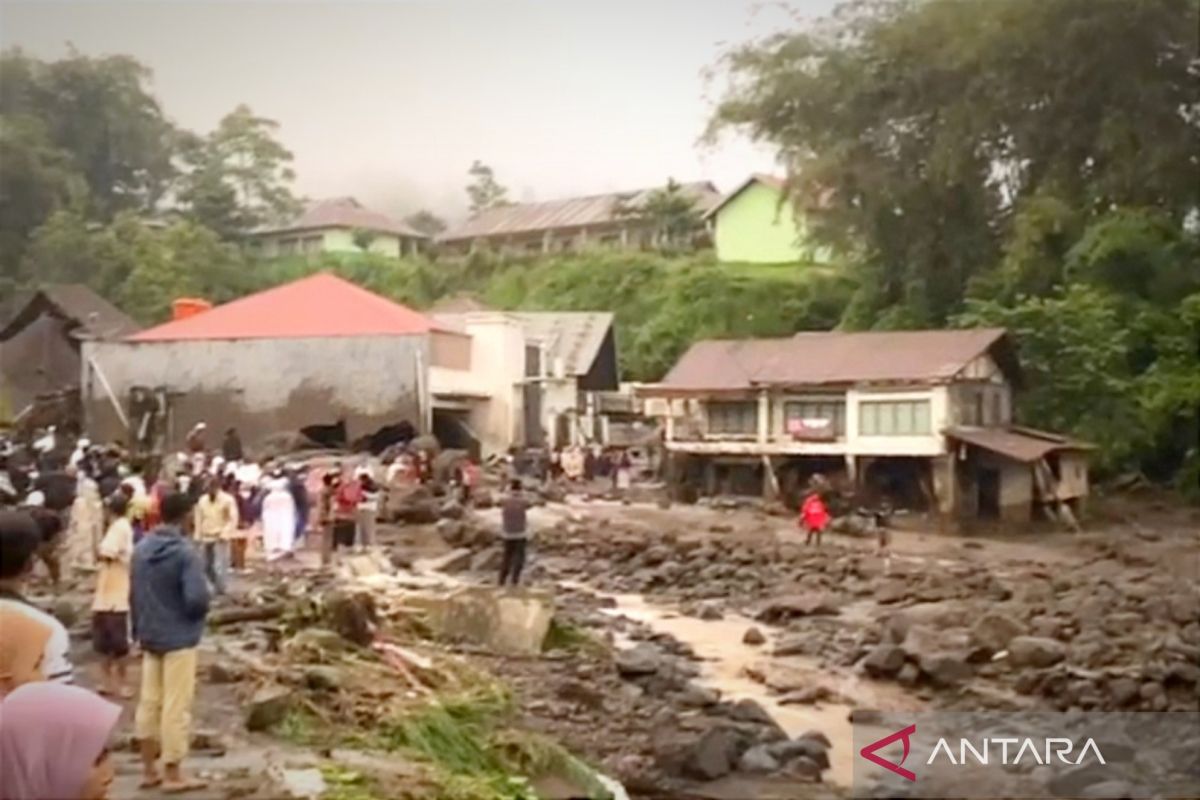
{"points": [[278, 518], [54, 743]]}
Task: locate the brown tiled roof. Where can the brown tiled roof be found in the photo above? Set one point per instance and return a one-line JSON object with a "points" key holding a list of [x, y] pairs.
{"points": [[91, 314], [1020, 444], [345, 212], [833, 358], [573, 212]]}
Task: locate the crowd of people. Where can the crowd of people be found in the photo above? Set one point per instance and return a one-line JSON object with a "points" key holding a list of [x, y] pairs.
{"points": [[158, 539]]}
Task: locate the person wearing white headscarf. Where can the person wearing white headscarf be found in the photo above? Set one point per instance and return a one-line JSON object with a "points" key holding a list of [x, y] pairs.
{"points": [[278, 518]]}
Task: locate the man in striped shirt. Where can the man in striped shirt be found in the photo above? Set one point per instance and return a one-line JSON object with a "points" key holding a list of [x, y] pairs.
{"points": [[35, 646]]}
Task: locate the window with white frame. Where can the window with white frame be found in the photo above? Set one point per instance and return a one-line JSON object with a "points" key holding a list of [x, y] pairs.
{"points": [[894, 418], [834, 411], [733, 417]]}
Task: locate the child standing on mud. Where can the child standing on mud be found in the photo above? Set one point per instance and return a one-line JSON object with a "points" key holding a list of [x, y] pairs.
{"points": [[814, 518]]}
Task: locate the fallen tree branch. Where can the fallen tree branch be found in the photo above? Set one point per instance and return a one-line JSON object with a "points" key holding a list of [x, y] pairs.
{"points": [[254, 614]]}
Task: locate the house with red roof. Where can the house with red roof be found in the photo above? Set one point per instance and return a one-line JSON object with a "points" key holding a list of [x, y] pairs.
{"points": [[315, 351], [340, 225]]}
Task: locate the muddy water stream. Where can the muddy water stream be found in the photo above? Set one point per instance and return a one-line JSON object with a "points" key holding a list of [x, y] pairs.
{"points": [[725, 661]]}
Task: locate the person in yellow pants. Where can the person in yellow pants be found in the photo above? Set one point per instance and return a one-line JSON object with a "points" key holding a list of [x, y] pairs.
{"points": [[170, 603]]}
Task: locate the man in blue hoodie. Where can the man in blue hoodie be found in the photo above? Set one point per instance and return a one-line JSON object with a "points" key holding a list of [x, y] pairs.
{"points": [[170, 602]]}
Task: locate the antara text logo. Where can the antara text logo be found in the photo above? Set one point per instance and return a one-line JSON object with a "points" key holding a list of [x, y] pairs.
{"points": [[995, 750]]}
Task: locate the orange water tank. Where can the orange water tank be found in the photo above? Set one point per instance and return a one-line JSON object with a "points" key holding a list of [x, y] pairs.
{"points": [[186, 307]]}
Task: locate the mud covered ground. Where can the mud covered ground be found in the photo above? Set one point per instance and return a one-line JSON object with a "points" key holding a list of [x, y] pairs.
{"points": [[696, 651]]}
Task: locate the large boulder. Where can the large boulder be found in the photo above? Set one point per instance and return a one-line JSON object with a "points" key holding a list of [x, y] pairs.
{"points": [[1035, 651], [758, 759], [993, 631], [642, 659], [788, 607], [716, 753], [268, 707], [884, 660], [944, 669]]}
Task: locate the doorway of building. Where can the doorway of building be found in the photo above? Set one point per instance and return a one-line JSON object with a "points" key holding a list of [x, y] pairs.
{"points": [[988, 483], [453, 432]]}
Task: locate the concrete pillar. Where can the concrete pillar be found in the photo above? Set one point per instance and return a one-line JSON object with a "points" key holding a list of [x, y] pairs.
{"points": [[945, 489], [547, 241], [670, 421], [852, 470], [764, 416]]}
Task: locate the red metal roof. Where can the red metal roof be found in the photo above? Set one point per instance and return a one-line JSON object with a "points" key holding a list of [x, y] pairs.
{"points": [[320, 305]]}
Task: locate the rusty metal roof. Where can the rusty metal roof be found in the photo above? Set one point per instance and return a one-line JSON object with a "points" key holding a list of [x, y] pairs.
{"points": [[572, 212], [1026, 445], [91, 315], [344, 212], [836, 358]]}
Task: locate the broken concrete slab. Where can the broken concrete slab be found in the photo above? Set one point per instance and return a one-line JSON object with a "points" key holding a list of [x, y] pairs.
{"points": [[512, 622]]}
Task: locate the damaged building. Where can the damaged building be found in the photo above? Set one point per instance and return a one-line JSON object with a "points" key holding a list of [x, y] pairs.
{"points": [[317, 351], [41, 344], [918, 419], [536, 378]]}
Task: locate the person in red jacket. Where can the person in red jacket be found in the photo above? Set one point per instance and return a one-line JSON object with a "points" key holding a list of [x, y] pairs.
{"points": [[814, 517]]}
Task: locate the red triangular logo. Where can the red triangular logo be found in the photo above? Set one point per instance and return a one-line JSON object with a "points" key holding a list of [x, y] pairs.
{"points": [[868, 752]]}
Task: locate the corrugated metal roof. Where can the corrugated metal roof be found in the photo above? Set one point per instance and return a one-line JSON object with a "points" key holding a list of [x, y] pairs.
{"points": [[825, 358], [573, 212], [321, 305], [774, 182], [345, 212], [1020, 444], [94, 316], [574, 336]]}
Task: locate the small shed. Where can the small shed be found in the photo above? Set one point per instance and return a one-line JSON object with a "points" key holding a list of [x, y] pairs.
{"points": [[317, 351], [1009, 473], [40, 343]]}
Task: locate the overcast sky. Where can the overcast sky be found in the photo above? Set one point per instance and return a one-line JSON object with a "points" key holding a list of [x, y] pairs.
{"points": [[391, 101]]}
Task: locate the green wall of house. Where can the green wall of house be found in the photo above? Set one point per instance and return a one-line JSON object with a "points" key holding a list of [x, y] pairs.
{"points": [[332, 240], [755, 228], [339, 240]]}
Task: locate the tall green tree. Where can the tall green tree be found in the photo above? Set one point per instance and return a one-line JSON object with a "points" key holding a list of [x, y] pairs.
{"points": [[101, 113], [913, 130], [669, 211], [484, 191], [239, 176]]}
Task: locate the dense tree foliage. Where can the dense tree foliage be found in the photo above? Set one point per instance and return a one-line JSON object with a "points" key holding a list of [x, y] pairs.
{"points": [[1033, 164], [917, 129], [85, 136]]}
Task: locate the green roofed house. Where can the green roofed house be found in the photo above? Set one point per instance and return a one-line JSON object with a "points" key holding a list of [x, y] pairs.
{"points": [[340, 225], [757, 224]]}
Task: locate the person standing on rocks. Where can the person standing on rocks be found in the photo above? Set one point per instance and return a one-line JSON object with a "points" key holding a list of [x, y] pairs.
{"points": [[110, 606], [170, 604], [215, 523], [515, 533], [814, 518]]}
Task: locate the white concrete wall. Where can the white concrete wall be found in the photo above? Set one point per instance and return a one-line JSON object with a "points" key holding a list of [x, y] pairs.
{"points": [[263, 386], [497, 371], [853, 443]]}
